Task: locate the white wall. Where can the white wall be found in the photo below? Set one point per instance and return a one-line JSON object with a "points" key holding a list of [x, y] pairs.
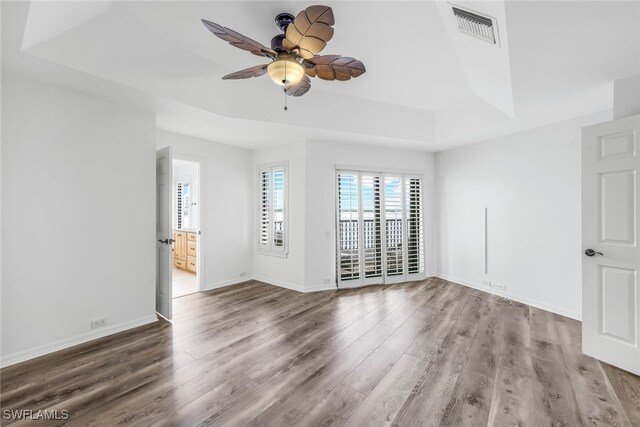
{"points": [[288, 272], [312, 249], [530, 184], [626, 97], [320, 233], [226, 256], [78, 235]]}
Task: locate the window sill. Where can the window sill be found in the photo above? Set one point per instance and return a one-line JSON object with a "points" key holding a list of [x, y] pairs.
{"points": [[273, 254]]}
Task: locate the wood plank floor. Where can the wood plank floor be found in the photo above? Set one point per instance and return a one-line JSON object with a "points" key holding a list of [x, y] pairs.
{"points": [[424, 353]]}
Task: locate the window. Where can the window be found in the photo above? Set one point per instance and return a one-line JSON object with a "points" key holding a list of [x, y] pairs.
{"points": [[380, 227], [273, 231]]}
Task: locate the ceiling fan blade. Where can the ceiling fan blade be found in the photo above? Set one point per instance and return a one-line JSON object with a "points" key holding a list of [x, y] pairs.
{"points": [[247, 73], [238, 40], [299, 88], [336, 67], [311, 72], [310, 31]]}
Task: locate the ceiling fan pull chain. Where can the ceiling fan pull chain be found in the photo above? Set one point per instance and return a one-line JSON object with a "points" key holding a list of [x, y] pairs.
{"points": [[284, 82]]}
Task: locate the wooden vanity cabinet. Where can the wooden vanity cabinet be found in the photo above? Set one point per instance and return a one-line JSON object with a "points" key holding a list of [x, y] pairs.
{"points": [[185, 250]]}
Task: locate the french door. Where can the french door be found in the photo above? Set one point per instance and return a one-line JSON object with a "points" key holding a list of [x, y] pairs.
{"points": [[380, 231]]}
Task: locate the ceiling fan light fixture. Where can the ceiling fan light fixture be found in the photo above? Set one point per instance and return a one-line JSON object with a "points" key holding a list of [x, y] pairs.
{"points": [[285, 71], [294, 52]]}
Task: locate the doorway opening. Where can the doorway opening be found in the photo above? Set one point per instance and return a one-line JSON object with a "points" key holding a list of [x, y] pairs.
{"points": [[185, 272]]}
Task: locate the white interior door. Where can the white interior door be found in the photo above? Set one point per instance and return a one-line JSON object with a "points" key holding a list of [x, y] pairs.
{"points": [[611, 260], [164, 234]]}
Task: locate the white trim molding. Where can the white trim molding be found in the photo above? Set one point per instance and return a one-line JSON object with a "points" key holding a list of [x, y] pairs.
{"points": [[274, 282], [515, 297], [280, 283], [229, 282], [378, 169], [32, 353], [322, 287]]}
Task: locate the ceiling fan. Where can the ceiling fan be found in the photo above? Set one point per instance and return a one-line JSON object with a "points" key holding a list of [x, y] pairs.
{"points": [[293, 54]]}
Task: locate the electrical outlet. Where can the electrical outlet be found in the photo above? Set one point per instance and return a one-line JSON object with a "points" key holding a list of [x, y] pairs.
{"points": [[326, 281], [98, 323], [487, 284], [499, 287], [242, 274]]}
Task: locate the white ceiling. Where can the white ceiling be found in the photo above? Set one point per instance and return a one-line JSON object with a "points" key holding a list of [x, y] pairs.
{"points": [[427, 86]]}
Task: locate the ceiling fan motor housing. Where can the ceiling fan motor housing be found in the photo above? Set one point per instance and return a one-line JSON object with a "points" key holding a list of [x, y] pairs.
{"points": [[283, 20], [276, 43]]}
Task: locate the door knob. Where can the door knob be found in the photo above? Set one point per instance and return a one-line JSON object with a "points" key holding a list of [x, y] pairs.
{"points": [[165, 241], [591, 252]]}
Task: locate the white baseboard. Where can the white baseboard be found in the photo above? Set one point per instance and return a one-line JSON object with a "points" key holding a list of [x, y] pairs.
{"points": [[287, 285], [515, 297], [225, 283], [274, 282], [280, 283], [355, 285], [323, 287], [22, 356]]}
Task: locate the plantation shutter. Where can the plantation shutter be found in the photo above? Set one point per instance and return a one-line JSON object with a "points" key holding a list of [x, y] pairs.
{"points": [[278, 213], [371, 225], [415, 231], [394, 234], [179, 205], [265, 207], [272, 221]]}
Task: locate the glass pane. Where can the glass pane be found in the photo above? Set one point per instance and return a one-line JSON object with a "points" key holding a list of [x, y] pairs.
{"points": [[348, 211], [393, 226]]}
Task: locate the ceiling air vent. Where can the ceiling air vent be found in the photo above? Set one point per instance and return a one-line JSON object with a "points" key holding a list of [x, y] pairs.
{"points": [[475, 25]]}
